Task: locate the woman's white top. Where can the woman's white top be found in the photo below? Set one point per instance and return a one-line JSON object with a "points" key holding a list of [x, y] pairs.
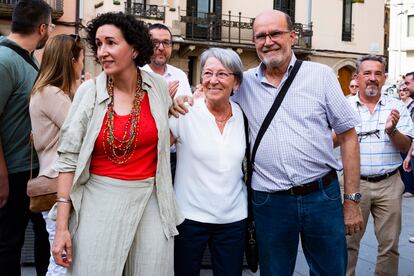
{"points": [[209, 179]]}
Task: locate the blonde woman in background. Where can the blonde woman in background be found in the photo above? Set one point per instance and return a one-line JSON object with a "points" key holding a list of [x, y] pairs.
{"points": [[51, 97]]}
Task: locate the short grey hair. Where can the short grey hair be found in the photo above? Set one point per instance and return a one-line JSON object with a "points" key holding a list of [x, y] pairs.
{"points": [[229, 58], [371, 58]]}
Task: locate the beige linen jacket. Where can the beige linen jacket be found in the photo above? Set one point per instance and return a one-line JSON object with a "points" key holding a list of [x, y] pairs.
{"points": [[82, 127]]}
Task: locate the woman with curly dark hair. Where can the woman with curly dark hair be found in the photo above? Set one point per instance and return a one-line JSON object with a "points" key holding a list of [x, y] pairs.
{"points": [[114, 162]]}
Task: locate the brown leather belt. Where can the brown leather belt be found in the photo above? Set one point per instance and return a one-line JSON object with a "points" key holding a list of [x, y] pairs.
{"points": [[377, 178], [310, 187]]}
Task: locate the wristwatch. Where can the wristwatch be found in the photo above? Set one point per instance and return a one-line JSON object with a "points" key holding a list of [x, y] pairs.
{"points": [[356, 197]]}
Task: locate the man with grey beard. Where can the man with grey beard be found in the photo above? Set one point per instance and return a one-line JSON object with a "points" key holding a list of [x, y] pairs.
{"points": [[386, 130]]}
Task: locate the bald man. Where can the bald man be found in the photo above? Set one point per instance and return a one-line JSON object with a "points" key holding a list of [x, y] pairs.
{"points": [[295, 188]]}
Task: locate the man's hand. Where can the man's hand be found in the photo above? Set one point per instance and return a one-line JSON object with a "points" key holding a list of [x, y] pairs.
{"points": [[198, 92], [4, 189], [407, 162], [173, 88], [392, 120], [353, 217], [179, 105]]}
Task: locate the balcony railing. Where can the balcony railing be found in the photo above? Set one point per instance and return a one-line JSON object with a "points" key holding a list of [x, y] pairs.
{"points": [[6, 8], [232, 28], [145, 11]]}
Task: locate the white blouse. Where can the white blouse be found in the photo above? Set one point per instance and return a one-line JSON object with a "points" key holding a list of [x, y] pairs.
{"points": [[208, 180]]}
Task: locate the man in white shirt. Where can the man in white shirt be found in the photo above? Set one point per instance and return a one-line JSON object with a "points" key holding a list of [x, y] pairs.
{"points": [[178, 84], [176, 78], [408, 85]]}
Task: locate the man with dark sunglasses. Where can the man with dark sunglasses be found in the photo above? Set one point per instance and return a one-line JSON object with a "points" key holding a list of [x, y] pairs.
{"points": [[385, 130]]}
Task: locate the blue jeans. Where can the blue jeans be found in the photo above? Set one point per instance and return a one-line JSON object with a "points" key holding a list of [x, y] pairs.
{"points": [[225, 241], [317, 218], [407, 177], [412, 165]]}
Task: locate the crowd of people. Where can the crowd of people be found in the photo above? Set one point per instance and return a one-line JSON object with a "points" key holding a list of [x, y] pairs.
{"points": [[110, 142]]}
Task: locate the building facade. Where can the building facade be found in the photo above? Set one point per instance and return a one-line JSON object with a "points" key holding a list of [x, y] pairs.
{"points": [[401, 48], [334, 32], [65, 15]]}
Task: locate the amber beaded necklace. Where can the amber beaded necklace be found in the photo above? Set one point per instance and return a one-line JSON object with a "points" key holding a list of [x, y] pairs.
{"points": [[120, 150]]}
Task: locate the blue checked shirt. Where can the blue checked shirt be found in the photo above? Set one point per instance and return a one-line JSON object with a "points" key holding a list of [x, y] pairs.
{"points": [[297, 147], [378, 154]]}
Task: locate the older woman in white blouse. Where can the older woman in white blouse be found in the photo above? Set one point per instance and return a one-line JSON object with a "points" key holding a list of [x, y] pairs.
{"points": [[210, 141]]}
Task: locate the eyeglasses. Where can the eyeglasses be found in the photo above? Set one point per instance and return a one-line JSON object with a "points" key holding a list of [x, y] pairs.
{"points": [[273, 35], [207, 75], [354, 86], [166, 43], [365, 134]]}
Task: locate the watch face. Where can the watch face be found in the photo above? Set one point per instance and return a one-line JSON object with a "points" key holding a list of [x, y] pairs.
{"points": [[357, 196]]}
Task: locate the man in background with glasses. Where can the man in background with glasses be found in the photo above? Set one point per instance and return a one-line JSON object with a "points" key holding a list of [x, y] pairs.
{"points": [[386, 130], [353, 87], [177, 80]]}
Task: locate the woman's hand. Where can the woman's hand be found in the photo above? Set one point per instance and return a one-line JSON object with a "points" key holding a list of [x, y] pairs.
{"points": [[62, 248]]}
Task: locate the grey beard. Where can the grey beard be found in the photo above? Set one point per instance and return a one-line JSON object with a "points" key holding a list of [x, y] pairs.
{"points": [[371, 92]]}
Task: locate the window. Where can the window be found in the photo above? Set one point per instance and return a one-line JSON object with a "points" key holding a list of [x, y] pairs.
{"points": [[206, 19], [347, 20], [410, 26], [287, 6]]}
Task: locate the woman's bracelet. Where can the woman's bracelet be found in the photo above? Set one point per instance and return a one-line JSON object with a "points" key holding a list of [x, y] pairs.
{"points": [[64, 200]]}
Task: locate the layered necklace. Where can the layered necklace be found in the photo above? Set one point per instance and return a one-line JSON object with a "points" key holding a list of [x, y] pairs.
{"points": [[120, 150]]}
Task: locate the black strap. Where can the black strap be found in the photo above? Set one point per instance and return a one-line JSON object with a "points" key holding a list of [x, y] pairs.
{"points": [[21, 52], [247, 168], [272, 112]]}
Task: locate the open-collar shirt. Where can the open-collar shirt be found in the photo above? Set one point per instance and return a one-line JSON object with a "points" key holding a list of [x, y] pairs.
{"points": [[378, 154], [297, 147]]}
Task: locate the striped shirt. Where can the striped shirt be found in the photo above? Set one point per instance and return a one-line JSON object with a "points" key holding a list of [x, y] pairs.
{"points": [[297, 147], [378, 154]]}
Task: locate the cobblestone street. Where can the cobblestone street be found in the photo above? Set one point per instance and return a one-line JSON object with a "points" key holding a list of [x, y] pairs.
{"points": [[367, 255]]}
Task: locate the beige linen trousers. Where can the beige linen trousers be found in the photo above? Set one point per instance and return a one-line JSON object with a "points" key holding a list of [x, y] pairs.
{"points": [[120, 231]]}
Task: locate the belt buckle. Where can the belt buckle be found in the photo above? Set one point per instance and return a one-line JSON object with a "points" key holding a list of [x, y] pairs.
{"points": [[296, 187]]}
